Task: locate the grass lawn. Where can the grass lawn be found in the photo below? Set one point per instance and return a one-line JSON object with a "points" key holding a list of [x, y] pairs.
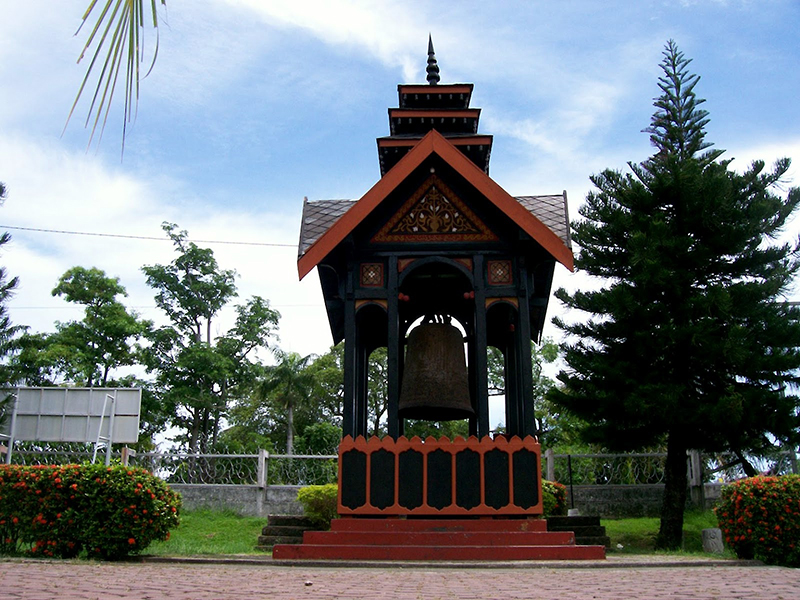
{"points": [[638, 536], [211, 532], [225, 532]]}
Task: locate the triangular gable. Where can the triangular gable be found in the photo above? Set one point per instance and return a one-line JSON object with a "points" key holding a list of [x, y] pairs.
{"points": [[434, 214], [434, 143]]}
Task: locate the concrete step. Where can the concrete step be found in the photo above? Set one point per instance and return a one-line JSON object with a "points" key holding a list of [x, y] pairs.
{"points": [[452, 525], [437, 553], [438, 538]]}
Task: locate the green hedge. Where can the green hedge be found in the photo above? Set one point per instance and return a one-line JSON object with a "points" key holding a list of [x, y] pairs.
{"points": [[57, 511], [760, 518], [320, 503]]}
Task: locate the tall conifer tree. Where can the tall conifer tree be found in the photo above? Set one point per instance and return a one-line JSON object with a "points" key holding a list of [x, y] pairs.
{"points": [[689, 340]]}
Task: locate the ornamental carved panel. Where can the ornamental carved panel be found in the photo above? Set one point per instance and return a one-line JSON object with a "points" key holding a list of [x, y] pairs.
{"points": [[371, 275], [500, 272], [434, 214]]}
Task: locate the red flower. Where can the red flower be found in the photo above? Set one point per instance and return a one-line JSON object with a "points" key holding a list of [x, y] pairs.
{"points": [[131, 541]]}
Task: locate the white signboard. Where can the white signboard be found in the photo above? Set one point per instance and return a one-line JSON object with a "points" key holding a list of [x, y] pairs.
{"points": [[73, 414]]}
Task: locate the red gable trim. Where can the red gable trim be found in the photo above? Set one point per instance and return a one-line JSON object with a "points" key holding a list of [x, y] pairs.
{"points": [[433, 143]]}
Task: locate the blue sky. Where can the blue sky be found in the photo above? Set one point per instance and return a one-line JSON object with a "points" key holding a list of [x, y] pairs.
{"points": [[254, 104]]}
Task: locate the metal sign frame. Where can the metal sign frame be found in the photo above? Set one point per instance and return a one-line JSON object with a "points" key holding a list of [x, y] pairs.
{"points": [[61, 414]]}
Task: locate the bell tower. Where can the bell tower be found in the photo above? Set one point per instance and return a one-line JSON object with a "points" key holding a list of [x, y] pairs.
{"points": [[436, 239], [437, 262]]}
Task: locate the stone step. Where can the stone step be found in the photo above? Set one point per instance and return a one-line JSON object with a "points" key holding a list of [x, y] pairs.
{"points": [[580, 531], [285, 530], [587, 530], [290, 521], [593, 540], [265, 542], [580, 521]]}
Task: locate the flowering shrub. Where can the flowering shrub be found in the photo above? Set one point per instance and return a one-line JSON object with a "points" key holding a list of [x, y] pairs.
{"points": [[760, 518], [56, 511], [554, 497]]}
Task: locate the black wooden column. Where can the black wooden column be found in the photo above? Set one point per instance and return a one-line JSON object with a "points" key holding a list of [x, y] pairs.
{"points": [[394, 352], [525, 366], [361, 387], [349, 420], [479, 353], [512, 387]]}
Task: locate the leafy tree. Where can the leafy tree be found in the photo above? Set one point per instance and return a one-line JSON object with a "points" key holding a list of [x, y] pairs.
{"points": [[81, 352], [32, 362], [198, 375], [103, 340], [549, 425], [687, 341], [320, 438], [328, 389]]}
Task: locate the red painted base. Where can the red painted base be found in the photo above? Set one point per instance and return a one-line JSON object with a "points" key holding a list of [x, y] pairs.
{"points": [[432, 539]]}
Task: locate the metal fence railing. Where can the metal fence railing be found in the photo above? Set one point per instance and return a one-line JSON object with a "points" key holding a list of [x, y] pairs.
{"points": [[218, 469], [648, 467], [606, 469], [264, 469]]}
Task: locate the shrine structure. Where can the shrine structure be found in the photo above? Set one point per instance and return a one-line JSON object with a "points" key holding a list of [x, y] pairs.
{"points": [[437, 262]]}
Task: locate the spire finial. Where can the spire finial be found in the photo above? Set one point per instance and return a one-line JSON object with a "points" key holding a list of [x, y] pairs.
{"points": [[433, 68]]}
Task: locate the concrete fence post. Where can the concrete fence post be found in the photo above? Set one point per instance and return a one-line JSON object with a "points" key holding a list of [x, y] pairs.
{"points": [[263, 457], [696, 488], [550, 465]]}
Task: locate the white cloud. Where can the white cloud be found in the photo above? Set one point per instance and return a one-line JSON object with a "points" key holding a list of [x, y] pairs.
{"points": [[387, 33]]}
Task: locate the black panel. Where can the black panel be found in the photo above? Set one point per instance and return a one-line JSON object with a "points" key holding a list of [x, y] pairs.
{"points": [[354, 479], [526, 476], [468, 479], [495, 465], [381, 479], [410, 479], [440, 479]]}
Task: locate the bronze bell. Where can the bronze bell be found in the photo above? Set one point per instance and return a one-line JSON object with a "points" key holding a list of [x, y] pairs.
{"points": [[435, 383]]}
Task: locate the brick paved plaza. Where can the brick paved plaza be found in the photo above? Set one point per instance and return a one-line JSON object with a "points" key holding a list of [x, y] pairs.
{"points": [[67, 580]]}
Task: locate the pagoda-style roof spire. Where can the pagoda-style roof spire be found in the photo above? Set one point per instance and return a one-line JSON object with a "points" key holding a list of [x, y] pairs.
{"points": [[433, 68]]}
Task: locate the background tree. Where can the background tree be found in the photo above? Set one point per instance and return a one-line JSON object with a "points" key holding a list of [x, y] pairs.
{"points": [[104, 339], [688, 341], [548, 423], [8, 331], [287, 385], [197, 375], [86, 352]]}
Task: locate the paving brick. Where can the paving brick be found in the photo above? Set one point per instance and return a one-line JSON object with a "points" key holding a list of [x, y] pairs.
{"points": [[80, 580]]}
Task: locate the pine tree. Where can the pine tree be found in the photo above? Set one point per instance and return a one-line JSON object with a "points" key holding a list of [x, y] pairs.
{"points": [[689, 340]]}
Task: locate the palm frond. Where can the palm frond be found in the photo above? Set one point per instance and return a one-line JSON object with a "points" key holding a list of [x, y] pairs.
{"points": [[118, 39]]}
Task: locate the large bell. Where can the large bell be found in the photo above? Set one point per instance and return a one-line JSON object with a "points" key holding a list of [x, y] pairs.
{"points": [[435, 384]]}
